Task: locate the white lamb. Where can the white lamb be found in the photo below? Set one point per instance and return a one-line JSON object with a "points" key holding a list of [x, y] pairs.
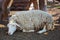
{"points": [[30, 21]]}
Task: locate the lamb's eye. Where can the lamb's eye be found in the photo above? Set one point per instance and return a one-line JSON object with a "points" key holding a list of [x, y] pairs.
{"points": [[13, 25]]}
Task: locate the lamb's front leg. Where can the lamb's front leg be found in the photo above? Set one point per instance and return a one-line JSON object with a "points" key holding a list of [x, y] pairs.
{"points": [[43, 30]]}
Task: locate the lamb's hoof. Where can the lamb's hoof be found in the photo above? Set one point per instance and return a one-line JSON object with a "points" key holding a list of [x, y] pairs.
{"points": [[42, 31]]}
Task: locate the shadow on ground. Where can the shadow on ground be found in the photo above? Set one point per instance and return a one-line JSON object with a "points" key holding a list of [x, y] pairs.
{"points": [[51, 35]]}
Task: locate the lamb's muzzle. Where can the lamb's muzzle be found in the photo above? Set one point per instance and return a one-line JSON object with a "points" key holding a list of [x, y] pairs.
{"points": [[30, 21]]}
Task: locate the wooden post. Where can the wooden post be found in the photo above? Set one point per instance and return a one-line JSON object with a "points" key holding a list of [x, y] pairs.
{"points": [[42, 5], [6, 4]]}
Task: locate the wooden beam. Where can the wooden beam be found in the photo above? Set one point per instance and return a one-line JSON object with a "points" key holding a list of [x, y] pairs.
{"points": [[4, 9]]}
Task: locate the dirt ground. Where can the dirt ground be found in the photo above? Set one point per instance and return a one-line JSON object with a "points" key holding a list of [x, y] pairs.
{"points": [[49, 35]]}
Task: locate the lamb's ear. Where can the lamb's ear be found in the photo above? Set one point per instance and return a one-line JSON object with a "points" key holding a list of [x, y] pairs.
{"points": [[17, 25]]}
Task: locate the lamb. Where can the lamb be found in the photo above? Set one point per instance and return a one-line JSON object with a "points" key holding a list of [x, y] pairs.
{"points": [[30, 21]]}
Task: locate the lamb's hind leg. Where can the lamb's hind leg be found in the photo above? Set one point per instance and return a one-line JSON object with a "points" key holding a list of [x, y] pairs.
{"points": [[43, 30]]}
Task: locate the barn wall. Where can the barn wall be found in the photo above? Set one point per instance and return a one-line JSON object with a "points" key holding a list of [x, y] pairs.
{"points": [[58, 0], [20, 5], [1, 1]]}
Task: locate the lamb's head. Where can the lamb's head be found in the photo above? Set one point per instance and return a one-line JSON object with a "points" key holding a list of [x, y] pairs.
{"points": [[12, 27]]}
